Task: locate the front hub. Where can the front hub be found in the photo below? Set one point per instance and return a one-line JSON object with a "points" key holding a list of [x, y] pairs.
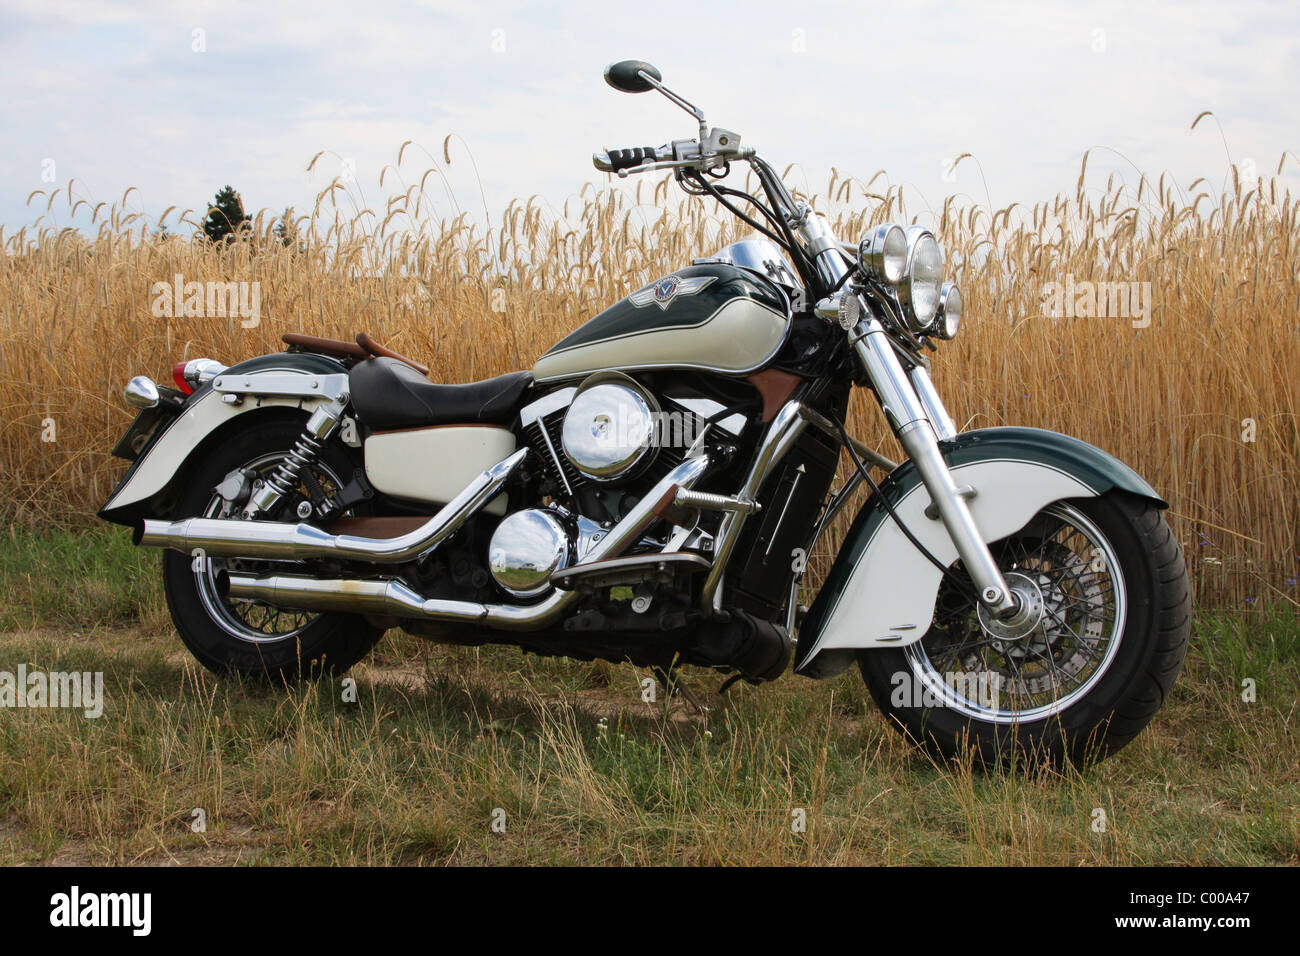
{"points": [[1022, 622]]}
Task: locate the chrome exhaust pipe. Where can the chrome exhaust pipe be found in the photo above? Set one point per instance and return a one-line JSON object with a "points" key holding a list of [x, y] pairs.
{"points": [[388, 599], [269, 540], [396, 599]]}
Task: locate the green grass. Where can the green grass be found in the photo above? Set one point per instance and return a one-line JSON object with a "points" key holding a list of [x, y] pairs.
{"points": [[585, 772], [77, 579]]}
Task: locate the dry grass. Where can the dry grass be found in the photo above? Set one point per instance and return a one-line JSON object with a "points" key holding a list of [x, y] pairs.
{"points": [[442, 741], [1222, 345]]}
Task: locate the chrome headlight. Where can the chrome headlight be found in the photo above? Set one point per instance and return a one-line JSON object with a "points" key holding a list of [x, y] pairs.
{"points": [[918, 293], [949, 311], [883, 253]]}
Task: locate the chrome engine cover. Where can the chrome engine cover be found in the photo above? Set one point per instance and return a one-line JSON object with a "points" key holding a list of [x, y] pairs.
{"points": [[609, 430], [527, 547]]}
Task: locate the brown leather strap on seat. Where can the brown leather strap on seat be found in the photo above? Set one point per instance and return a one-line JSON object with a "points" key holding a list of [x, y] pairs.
{"points": [[333, 347], [374, 348]]}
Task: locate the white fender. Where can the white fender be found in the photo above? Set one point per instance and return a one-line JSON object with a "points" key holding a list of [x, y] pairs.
{"points": [[888, 600], [200, 418]]}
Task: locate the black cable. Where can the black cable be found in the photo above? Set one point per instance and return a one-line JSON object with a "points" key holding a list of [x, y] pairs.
{"points": [[755, 202], [853, 270], [884, 500], [712, 190], [802, 262], [770, 181], [910, 347], [791, 248]]}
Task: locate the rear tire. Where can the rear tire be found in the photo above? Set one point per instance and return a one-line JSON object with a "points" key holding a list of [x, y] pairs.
{"points": [[1120, 682], [257, 641]]}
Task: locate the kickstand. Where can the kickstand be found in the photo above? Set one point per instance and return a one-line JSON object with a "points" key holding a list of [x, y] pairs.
{"points": [[672, 683], [729, 683]]}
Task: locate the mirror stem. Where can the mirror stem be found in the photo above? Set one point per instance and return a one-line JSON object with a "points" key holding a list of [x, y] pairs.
{"points": [[682, 102]]}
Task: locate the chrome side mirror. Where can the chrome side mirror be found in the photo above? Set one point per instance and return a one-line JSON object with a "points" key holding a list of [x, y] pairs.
{"points": [[638, 76]]}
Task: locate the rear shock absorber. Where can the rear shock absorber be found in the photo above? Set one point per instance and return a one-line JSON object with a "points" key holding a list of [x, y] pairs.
{"points": [[303, 454]]}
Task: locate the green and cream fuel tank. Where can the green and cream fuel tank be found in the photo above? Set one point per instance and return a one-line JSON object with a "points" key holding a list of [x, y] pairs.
{"points": [[714, 316]]}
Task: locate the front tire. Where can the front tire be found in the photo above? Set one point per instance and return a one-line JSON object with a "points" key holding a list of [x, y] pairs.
{"points": [[1111, 637], [242, 638]]}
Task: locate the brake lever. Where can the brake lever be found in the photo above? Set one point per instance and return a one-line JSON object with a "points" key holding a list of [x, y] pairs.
{"points": [[720, 147], [664, 164]]}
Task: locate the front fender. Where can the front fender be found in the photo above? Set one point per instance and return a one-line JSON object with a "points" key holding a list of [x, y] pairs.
{"points": [[881, 590], [152, 474]]}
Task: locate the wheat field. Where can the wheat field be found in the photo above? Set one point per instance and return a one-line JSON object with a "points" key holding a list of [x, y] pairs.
{"points": [[1202, 400]]}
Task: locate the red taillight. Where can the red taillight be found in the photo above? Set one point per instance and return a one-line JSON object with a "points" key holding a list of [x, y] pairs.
{"points": [[178, 376], [195, 373]]}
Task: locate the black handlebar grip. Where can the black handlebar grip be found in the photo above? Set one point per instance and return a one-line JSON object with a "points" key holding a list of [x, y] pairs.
{"points": [[634, 156]]}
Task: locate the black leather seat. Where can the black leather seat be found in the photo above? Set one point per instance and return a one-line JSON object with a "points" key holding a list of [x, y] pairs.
{"points": [[387, 393]]}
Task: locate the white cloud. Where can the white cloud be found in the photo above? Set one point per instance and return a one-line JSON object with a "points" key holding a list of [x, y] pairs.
{"points": [[114, 93]]}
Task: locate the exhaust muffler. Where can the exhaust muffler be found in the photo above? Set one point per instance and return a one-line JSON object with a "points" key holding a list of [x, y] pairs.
{"points": [[396, 599], [273, 541]]}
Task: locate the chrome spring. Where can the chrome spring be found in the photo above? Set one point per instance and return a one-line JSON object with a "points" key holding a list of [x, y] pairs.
{"points": [[708, 501], [300, 456], [303, 453]]}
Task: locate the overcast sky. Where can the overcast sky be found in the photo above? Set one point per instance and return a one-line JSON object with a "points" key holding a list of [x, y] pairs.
{"points": [[118, 94]]}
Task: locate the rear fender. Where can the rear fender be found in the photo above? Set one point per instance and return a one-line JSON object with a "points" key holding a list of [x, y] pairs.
{"points": [[881, 590], [205, 416]]}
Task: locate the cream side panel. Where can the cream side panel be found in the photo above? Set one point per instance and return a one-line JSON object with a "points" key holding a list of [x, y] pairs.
{"points": [[739, 337], [435, 464]]}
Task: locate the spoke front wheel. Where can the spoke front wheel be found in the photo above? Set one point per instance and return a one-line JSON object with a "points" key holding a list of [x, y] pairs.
{"points": [[1081, 672]]}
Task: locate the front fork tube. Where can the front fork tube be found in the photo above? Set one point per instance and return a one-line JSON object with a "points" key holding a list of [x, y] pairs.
{"points": [[914, 409], [944, 427]]}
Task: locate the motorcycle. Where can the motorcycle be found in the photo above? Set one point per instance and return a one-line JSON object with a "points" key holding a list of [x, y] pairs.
{"points": [[649, 493]]}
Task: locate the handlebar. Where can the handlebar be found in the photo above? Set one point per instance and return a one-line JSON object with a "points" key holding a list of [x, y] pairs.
{"points": [[819, 264], [717, 149], [615, 160], [632, 156]]}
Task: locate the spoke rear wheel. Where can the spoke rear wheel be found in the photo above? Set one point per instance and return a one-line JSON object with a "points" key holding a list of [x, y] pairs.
{"points": [[242, 637], [248, 620]]}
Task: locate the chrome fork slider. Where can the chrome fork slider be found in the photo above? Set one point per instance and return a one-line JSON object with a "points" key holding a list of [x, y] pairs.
{"points": [[917, 435]]}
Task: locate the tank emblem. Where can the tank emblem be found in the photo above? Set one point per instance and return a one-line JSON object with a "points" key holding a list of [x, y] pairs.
{"points": [[663, 292]]}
